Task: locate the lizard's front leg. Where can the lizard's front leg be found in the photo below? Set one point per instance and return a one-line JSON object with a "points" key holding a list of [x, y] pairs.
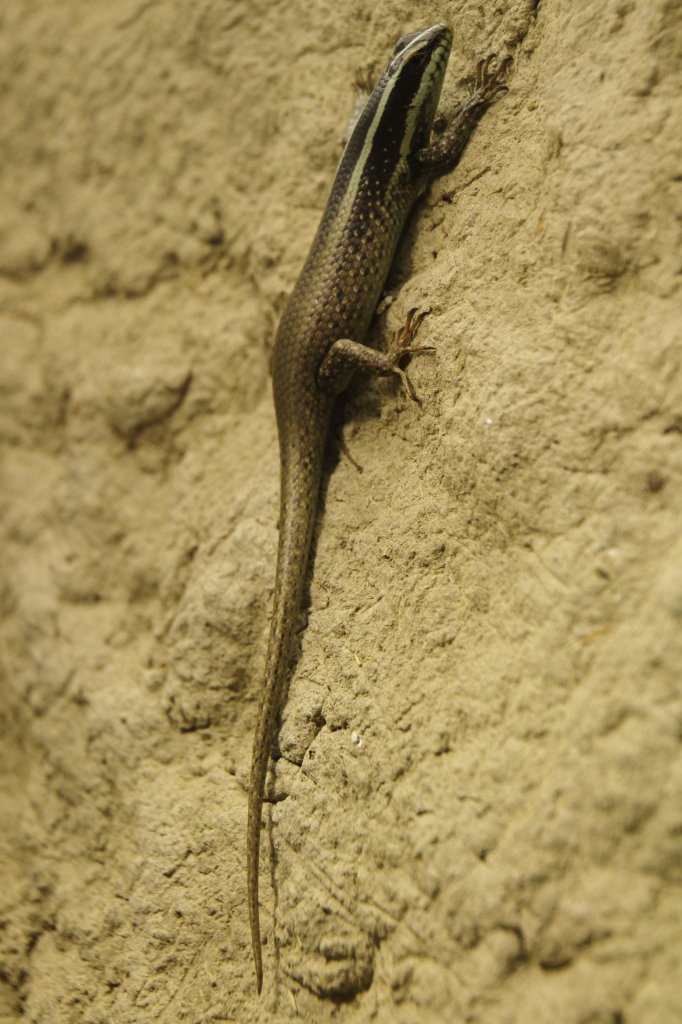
{"points": [[442, 154]]}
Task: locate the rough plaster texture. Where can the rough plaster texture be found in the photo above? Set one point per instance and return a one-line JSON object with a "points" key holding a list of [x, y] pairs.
{"points": [[476, 812]]}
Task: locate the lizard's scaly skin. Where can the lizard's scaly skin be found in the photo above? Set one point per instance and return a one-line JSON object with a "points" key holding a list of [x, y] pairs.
{"points": [[386, 164]]}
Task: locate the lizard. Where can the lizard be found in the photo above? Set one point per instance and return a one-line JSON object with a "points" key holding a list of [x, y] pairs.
{"points": [[388, 162]]}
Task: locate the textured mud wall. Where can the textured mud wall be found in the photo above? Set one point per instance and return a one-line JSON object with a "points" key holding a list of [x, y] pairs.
{"points": [[477, 804]]}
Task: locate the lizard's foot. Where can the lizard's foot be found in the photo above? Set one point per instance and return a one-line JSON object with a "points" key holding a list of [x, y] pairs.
{"points": [[346, 356], [402, 347], [488, 80]]}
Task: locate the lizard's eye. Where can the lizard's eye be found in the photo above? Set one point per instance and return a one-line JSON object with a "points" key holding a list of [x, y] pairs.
{"points": [[418, 59]]}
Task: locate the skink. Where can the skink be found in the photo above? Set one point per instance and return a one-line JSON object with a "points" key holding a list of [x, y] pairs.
{"points": [[387, 163]]}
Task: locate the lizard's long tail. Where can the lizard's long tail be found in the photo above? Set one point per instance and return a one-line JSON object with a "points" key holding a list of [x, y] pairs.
{"points": [[298, 506]]}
